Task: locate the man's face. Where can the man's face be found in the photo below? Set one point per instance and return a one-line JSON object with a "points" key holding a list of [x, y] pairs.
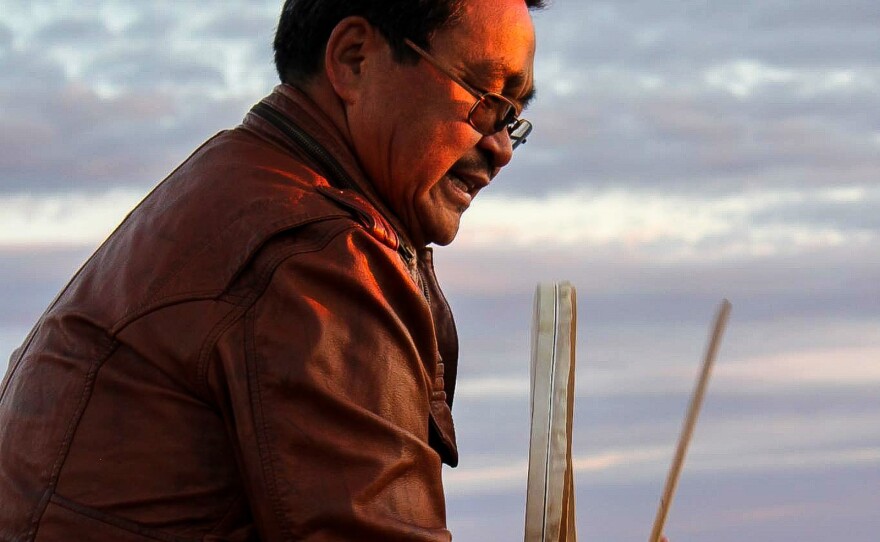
{"points": [[411, 129]]}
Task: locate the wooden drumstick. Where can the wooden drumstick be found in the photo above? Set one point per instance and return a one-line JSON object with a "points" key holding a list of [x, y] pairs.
{"points": [[690, 421]]}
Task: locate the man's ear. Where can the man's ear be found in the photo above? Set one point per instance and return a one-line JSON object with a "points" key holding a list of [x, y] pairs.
{"points": [[351, 45]]}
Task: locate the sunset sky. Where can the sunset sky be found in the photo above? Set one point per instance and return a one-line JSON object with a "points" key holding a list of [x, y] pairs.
{"points": [[682, 152]]}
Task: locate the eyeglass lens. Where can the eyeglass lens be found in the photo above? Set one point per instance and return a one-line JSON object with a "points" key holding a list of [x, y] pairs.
{"points": [[492, 114]]}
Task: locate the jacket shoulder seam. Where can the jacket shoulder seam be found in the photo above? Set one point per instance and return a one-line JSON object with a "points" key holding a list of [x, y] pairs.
{"points": [[154, 303]]}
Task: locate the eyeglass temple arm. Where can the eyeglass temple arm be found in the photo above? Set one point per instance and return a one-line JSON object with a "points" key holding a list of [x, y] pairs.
{"points": [[431, 60]]}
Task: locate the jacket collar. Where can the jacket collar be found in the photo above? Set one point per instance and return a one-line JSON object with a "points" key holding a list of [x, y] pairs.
{"points": [[303, 113]]}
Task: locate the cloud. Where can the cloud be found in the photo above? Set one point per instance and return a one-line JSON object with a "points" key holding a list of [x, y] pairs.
{"points": [[5, 37], [850, 367], [241, 24], [72, 32], [702, 99], [690, 33], [647, 464], [117, 94], [29, 279], [149, 67], [668, 227], [74, 220], [693, 135], [148, 25], [496, 476], [74, 138], [26, 71]]}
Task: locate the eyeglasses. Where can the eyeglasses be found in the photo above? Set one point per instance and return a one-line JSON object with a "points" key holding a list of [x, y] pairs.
{"points": [[492, 112]]}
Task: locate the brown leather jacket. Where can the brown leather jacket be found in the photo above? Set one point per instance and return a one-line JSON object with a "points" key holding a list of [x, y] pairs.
{"points": [[257, 352]]}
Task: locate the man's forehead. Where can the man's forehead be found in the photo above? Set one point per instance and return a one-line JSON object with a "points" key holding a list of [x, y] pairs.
{"points": [[494, 42]]}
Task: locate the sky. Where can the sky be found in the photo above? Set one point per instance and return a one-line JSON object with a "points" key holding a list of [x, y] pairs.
{"points": [[683, 152]]}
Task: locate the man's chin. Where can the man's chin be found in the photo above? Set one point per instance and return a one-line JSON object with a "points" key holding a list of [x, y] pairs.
{"points": [[443, 242], [442, 233]]}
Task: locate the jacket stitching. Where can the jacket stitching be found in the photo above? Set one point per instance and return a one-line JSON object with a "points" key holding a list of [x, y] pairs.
{"points": [[114, 521], [178, 265], [229, 510], [262, 283], [176, 299], [256, 400], [85, 396], [155, 301], [260, 424], [216, 332]]}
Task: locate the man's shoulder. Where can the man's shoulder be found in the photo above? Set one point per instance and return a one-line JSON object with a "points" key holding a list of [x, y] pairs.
{"points": [[238, 186], [199, 229]]}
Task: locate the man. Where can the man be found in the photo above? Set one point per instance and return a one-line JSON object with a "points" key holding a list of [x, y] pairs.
{"points": [[261, 350]]}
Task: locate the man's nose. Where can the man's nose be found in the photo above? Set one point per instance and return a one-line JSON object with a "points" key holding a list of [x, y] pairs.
{"points": [[498, 147]]}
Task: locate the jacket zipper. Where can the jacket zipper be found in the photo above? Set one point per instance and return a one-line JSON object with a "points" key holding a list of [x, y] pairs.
{"points": [[410, 258]]}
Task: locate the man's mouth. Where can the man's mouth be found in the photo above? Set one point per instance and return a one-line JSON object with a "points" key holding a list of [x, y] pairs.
{"points": [[459, 191], [469, 183], [460, 184]]}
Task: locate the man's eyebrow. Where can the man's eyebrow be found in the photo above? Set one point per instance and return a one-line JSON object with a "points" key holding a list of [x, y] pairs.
{"points": [[527, 97], [513, 82]]}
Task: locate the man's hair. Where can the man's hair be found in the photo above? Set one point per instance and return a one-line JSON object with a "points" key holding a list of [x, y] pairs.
{"points": [[305, 27]]}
